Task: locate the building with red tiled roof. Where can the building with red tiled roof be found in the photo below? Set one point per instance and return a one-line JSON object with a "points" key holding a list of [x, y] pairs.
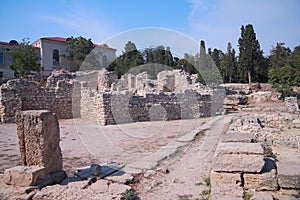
{"points": [[53, 49], [51, 53]]}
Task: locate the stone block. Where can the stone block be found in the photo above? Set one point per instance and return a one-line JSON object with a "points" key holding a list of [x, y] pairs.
{"points": [[266, 180], [239, 148], [225, 178], [226, 192], [238, 163], [261, 196], [24, 176], [239, 137], [38, 132], [289, 175]]}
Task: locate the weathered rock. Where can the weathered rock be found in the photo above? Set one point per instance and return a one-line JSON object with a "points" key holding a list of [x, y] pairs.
{"points": [[296, 123], [289, 175], [266, 180], [261, 196], [53, 178], [120, 177], [239, 148], [24, 176], [239, 137], [225, 178], [226, 192], [238, 163], [39, 137], [292, 104]]}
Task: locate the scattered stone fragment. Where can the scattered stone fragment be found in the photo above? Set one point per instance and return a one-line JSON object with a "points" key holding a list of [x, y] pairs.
{"points": [[149, 173], [120, 177]]}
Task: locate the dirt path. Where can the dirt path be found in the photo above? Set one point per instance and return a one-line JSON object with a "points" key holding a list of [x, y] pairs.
{"points": [[188, 171]]}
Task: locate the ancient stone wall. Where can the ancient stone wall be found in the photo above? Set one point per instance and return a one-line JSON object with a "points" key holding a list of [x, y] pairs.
{"points": [[99, 95], [115, 108], [20, 94]]}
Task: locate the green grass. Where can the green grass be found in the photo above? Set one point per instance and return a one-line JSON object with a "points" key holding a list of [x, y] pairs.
{"points": [[207, 181], [247, 195], [130, 195]]}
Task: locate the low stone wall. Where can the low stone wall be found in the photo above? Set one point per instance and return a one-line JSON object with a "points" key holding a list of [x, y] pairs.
{"points": [[20, 94], [114, 108]]}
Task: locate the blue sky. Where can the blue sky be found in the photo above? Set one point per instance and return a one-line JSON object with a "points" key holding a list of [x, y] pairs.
{"points": [[215, 21]]}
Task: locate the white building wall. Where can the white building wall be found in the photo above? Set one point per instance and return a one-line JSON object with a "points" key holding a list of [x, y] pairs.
{"points": [[47, 48], [7, 60]]}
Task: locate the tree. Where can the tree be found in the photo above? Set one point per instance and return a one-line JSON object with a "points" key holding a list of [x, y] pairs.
{"points": [[250, 53], [279, 55], [79, 50], [228, 65], [130, 58], [159, 55], [208, 72], [285, 77], [25, 59]]}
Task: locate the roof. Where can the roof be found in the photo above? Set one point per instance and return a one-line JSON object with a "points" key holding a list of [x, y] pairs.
{"points": [[56, 39], [7, 44], [61, 39]]}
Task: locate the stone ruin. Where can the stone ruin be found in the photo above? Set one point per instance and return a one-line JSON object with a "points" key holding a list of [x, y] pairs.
{"points": [[38, 133], [101, 95], [244, 162]]}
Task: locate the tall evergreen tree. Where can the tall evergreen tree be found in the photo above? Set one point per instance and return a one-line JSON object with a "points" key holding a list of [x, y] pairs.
{"points": [[249, 53], [208, 72], [228, 65]]}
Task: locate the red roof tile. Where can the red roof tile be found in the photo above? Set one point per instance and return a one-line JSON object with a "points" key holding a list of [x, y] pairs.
{"points": [[7, 44], [56, 39], [60, 39]]}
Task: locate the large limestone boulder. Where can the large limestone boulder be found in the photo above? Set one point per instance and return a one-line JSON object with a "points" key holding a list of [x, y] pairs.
{"points": [[239, 157], [238, 163], [24, 176], [289, 175], [265, 180]]}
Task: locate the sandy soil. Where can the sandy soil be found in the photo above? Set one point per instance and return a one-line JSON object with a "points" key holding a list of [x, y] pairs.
{"points": [[130, 138], [188, 171]]}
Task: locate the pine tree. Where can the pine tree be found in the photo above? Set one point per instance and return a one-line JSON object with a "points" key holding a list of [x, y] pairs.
{"points": [[249, 55]]}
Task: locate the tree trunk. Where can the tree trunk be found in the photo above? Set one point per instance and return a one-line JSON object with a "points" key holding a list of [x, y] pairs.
{"points": [[249, 77]]}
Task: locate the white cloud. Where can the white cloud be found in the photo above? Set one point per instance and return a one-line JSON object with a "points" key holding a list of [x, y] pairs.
{"points": [[96, 27]]}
